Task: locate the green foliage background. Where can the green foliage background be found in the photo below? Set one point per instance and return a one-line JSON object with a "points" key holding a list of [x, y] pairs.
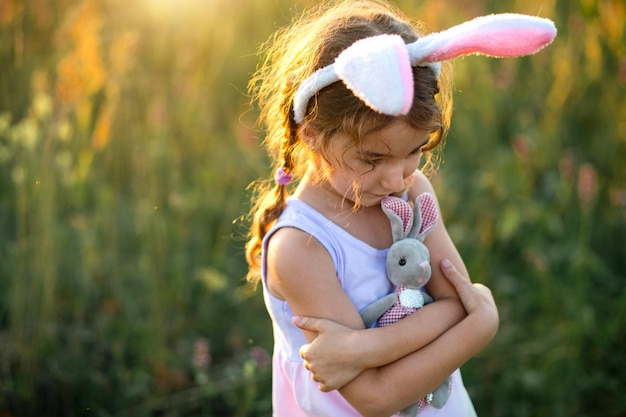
{"points": [[127, 143]]}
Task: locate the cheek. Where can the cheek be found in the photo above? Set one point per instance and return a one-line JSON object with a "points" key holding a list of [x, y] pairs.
{"points": [[412, 165], [342, 180]]}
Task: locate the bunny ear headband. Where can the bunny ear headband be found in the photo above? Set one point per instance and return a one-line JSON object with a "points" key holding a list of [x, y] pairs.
{"points": [[378, 70]]}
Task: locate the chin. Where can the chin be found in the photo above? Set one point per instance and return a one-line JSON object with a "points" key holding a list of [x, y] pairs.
{"points": [[370, 200]]}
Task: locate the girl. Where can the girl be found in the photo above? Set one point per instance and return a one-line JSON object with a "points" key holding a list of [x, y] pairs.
{"points": [[351, 100]]}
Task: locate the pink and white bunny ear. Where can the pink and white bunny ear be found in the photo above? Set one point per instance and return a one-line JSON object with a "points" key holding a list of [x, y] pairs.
{"points": [[426, 211], [499, 35], [400, 215], [383, 58]]}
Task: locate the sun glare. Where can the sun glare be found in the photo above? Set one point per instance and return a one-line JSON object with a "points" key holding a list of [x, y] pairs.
{"points": [[176, 9]]}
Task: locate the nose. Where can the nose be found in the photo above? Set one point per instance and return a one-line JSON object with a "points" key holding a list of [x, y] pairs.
{"points": [[393, 177]]}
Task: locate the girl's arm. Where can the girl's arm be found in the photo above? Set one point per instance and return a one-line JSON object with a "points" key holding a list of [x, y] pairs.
{"points": [[379, 392], [338, 355], [310, 286]]}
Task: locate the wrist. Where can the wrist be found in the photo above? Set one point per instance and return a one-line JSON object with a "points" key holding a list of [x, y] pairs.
{"points": [[486, 323], [367, 348]]}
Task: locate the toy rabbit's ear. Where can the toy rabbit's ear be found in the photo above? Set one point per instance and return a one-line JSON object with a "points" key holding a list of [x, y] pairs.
{"points": [[400, 215], [498, 35], [426, 214]]}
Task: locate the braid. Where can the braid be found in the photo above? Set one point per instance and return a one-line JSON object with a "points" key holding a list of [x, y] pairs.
{"points": [[289, 148], [271, 203]]}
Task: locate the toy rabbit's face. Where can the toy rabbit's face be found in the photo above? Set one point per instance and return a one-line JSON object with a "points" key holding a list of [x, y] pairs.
{"points": [[408, 263]]}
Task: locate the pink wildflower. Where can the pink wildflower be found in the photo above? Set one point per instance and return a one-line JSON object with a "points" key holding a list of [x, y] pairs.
{"points": [[587, 184], [201, 356]]}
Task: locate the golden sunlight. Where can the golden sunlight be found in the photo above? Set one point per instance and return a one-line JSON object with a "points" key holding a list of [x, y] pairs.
{"points": [[168, 10]]}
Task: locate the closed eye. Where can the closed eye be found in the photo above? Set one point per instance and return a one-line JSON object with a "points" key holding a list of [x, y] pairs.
{"points": [[373, 158], [417, 150]]}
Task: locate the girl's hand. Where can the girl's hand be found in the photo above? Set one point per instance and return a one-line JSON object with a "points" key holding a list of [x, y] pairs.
{"points": [[476, 298], [333, 358]]}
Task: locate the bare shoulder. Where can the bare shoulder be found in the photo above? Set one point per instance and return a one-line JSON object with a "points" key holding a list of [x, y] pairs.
{"points": [[290, 247], [290, 251], [301, 272], [421, 184]]}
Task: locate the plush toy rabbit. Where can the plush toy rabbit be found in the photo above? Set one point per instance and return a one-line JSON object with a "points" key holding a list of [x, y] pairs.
{"points": [[408, 268]]}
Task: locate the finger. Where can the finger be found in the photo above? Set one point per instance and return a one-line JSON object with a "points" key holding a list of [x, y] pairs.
{"points": [[320, 384], [303, 352], [315, 378], [449, 271], [308, 323], [324, 388]]}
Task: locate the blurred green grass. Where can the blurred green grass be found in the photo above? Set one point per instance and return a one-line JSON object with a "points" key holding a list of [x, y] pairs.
{"points": [[127, 143]]}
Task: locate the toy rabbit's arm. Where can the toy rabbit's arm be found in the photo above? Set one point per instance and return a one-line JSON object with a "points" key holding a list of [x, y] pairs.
{"points": [[427, 298], [372, 312]]}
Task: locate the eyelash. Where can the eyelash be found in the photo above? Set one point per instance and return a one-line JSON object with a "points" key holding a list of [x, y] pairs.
{"points": [[372, 162], [376, 161]]}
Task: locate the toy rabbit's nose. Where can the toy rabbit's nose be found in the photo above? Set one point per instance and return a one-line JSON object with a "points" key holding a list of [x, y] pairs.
{"points": [[421, 280], [424, 265]]}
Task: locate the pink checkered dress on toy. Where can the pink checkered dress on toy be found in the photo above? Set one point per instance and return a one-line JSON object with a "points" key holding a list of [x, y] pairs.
{"points": [[399, 310]]}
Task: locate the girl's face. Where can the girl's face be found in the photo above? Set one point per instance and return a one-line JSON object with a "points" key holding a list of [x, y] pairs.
{"points": [[378, 168]]}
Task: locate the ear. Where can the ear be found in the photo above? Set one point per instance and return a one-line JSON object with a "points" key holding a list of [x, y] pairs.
{"points": [[426, 214], [400, 216]]}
